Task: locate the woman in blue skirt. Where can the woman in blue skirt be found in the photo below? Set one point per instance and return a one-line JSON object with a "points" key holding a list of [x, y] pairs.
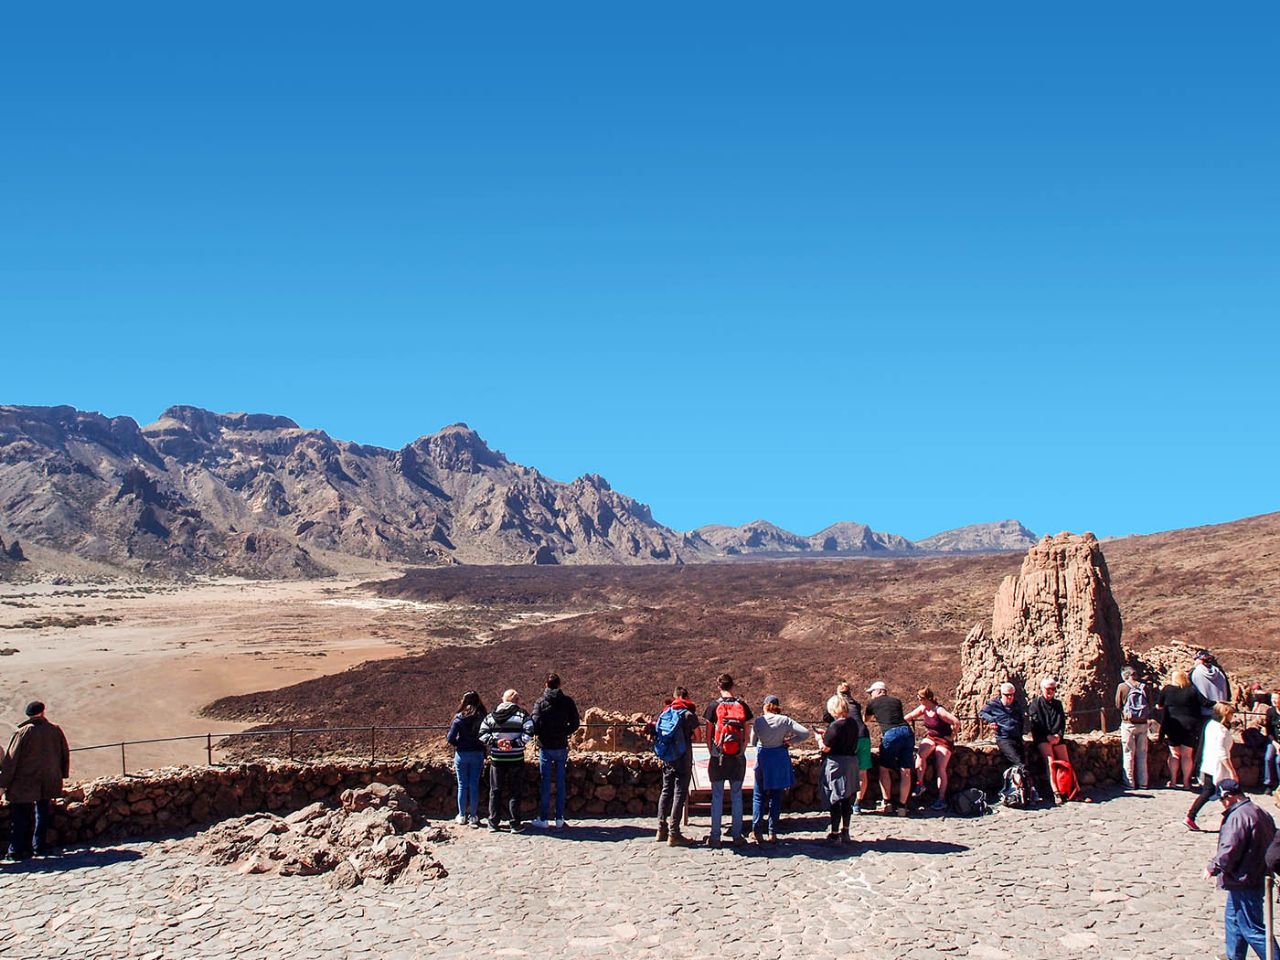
{"points": [[772, 732]]}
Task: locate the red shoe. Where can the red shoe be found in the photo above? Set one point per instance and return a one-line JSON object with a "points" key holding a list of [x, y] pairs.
{"points": [[1191, 824]]}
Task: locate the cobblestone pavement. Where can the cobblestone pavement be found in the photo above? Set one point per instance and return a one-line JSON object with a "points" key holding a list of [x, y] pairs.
{"points": [[1120, 878]]}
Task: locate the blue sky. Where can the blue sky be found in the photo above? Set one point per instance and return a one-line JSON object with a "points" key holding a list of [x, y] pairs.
{"points": [[915, 265]]}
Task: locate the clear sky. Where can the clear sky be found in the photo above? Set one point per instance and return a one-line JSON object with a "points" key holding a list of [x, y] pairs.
{"points": [[917, 265]]}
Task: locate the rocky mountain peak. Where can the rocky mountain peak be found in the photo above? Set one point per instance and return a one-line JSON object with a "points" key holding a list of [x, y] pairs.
{"points": [[458, 447], [207, 424]]}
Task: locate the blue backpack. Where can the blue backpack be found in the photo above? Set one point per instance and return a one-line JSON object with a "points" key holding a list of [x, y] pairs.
{"points": [[670, 742]]}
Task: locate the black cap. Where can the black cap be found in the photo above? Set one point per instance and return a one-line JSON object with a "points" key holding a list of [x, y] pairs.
{"points": [[34, 707], [1204, 655], [1228, 786]]}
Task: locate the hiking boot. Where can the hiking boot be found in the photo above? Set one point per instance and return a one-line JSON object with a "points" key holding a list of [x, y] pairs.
{"points": [[844, 837], [677, 839], [663, 833]]}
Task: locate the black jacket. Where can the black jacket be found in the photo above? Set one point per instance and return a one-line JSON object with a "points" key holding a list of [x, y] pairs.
{"points": [[1048, 718], [555, 718]]}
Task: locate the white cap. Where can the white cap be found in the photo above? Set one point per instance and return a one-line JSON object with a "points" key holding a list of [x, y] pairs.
{"points": [[878, 685]]}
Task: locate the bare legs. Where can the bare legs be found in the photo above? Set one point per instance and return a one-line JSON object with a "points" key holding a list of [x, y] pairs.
{"points": [[1180, 762]]}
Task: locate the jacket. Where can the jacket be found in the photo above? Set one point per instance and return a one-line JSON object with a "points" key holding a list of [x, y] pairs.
{"points": [[773, 729], [689, 723], [1009, 719], [37, 762], [1048, 719], [1213, 686], [464, 733], [506, 732], [1244, 842], [555, 718]]}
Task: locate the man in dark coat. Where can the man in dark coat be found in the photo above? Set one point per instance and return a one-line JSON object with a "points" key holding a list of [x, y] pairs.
{"points": [[555, 720], [31, 775], [1241, 868]]}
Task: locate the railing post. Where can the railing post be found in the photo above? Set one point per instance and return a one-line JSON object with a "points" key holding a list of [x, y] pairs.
{"points": [[373, 744], [208, 748], [291, 743], [124, 767]]}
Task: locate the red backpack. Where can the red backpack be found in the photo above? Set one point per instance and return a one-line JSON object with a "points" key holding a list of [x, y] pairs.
{"points": [[1063, 775], [730, 736]]}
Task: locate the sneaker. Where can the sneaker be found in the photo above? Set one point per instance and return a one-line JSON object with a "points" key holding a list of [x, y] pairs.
{"points": [[538, 824], [918, 790], [1191, 824], [474, 823], [844, 837], [714, 843], [517, 828], [459, 819], [857, 810], [901, 811], [833, 836], [494, 828], [938, 805], [678, 839], [559, 824], [663, 833]]}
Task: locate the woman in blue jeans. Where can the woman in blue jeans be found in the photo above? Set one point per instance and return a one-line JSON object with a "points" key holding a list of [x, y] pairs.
{"points": [[772, 732], [468, 757]]}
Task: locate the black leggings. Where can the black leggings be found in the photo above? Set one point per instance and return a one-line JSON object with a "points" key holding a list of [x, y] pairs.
{"points": [[841, 814], [1207, 790]]}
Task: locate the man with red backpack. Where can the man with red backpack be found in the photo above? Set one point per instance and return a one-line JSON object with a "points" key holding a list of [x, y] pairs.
{"points": [[673, 733], [728, 719]]}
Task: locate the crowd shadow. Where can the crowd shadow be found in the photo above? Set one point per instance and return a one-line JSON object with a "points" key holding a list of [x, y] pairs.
{"points": [[71, 860]]}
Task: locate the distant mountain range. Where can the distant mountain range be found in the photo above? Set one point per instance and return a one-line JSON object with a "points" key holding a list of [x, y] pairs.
{"points": [[257, 495]]}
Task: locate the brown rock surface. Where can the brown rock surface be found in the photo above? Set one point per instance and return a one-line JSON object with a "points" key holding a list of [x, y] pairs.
{"points": [[1056, 618]]}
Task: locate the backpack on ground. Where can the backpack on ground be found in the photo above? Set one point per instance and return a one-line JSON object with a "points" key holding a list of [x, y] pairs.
{"points": [[1137, 705], [1063, 777], [670, 741], [1013, 792], [970, 802], [730, 736]]}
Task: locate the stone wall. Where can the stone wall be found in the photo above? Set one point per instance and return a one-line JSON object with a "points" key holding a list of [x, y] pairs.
{"points": [[168, 801]]}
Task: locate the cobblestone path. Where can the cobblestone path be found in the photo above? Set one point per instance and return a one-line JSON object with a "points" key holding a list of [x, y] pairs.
{"points": [[1115, 879]]}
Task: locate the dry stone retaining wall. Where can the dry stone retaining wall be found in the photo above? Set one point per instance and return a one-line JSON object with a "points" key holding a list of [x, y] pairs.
{"points": [[171, 800]]}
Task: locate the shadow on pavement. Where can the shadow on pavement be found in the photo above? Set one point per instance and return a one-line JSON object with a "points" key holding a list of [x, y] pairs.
{"points": [[75, 860]]}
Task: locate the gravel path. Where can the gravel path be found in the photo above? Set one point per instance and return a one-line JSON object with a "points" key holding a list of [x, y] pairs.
{"points": [[1117, 879]]}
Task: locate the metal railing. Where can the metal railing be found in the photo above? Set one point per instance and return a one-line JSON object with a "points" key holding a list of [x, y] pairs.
{"points": [[215, 741]]}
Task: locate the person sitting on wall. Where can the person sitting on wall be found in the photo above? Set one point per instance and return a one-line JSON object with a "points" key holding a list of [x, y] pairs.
{"points": [[1048, 730], [1006, 717], [938, 742]]}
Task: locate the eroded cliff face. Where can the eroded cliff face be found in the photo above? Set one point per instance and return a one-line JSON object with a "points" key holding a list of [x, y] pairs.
{"points": [[1056, 618]]}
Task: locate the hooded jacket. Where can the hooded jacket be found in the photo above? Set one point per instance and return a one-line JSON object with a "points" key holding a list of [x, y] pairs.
{"points": [[555, 718], [505, 732], [37, 762]]}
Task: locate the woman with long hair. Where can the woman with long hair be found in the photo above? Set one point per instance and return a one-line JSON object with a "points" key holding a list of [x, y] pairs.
{"points": [[937, 742], [468, 756], [1178, 711], [1215, 762]]}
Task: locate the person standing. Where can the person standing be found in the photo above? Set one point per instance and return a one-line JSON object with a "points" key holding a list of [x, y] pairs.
{"points": [[1048, 730], [1271, 759], [727, 718], [674, 731], [1208, 677], [555, 719], [839, 781], [468, 756], [1006, 715], [506, 733], [1181, 726], [1136, 704], [897, 746], [845, 692], [773, 732], [1215, 764], [1240, 866], [31, 775]]}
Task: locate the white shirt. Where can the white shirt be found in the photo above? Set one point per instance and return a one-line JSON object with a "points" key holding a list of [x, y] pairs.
{"points": [[1217, 750]]}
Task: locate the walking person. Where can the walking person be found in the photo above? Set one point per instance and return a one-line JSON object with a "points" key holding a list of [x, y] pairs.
{"points": [[1240, 866], [845, 692], [674, 731], [937, 742], [1137, 706], [839, 780], [1181, 723], [506, 732], [468, 756], [1271, 759], [773, 732], [1048, 729], [31, 775], [555, 719], [1215, 763], [1006, 716], [1208, 677], [727, 718], [897, 746]]}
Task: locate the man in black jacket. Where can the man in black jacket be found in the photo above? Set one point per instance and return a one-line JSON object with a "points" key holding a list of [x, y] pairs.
{"points": [[555, 718], [1241, 865]]}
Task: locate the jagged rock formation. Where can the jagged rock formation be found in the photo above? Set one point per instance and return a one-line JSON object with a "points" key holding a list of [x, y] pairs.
{"points": [[372, 836], [258, 495], [1056, 618], [12, 553], [980, 538], [762, 537]]}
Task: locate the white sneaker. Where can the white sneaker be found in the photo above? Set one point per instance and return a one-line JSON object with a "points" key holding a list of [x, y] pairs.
{"points": [[559, 824], [538, 824], [460, 819]]}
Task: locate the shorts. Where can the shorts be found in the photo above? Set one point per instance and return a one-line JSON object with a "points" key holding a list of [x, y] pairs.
{"points": [[864, 753], [898, 749]]}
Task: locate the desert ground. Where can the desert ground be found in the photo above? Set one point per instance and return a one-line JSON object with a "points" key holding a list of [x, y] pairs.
{"points": [[119, 660]]}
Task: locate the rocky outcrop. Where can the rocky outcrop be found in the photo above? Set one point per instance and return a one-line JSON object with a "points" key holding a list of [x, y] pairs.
{"points": [[12, 553], [763, 538], [1006, 535], [1056, 618], [608, 732], [372, 835]]}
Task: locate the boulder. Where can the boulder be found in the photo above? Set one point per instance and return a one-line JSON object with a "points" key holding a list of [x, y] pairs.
{"points": [[1056, 618]]}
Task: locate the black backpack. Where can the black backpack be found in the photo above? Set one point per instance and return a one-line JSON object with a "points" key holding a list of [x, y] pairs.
{"points": [[970, 802]]}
